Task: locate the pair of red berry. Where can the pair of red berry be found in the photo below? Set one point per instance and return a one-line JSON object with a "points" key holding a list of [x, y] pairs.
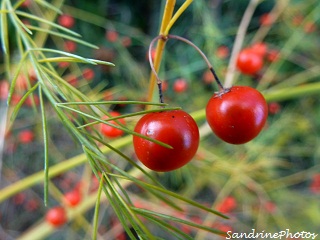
{"points": [[57, 216], [236, 115]]}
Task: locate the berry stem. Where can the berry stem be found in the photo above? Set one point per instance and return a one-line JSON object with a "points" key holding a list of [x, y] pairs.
{"points": [[165, 38], [167, 15], [159, 82], [203, 56]]}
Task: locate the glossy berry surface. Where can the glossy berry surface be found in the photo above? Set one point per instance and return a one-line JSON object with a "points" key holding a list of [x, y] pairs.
{"points": [[56, 216], [237, 116], [175, 128], [110, 131], [249, 62]]}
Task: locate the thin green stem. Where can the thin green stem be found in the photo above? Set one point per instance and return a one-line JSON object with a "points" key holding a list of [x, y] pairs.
{"points": [[96, 211]]}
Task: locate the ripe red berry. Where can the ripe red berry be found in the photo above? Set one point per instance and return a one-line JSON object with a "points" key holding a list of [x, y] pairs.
{"points": [[66, 21], [180, 85], [88, 74], [249, 62], [110, 131], [227, 205], [315, 184], [238, 115], [112, 36], [72, 198], [25, 4], [70, 46], [266, 19], [222, 52], [274, 107], [56, 216], [26, 136], [72, 79], [63, 64], [270, 207], [175, 128]]}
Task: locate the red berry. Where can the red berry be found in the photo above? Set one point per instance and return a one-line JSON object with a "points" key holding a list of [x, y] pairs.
{"points": [[26, 3], [19, 198], [112, 36], [72, 80], [126, 41], [274, 107], [70, 46], [175, 128], [259, 48], [238, 115], [72, 198], [316, 178], [266, 19], [227, 205], [110, 131], [270, 207], [249, 62], [63, 64], [26, 136], [315, 184], [15, 98], [88, 74], [222, 52], [180, 85], [56, 216], [66, 21], [207, 77]]}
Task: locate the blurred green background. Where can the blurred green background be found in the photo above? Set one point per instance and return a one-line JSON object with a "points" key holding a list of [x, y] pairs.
{"points": [[271, 183]]}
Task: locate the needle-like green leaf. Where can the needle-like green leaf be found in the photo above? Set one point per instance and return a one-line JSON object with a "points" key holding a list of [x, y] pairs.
{"points": [[30, 16], [57, 34], [46, 147], [63, 53], [4, 29], [49, 6]]}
